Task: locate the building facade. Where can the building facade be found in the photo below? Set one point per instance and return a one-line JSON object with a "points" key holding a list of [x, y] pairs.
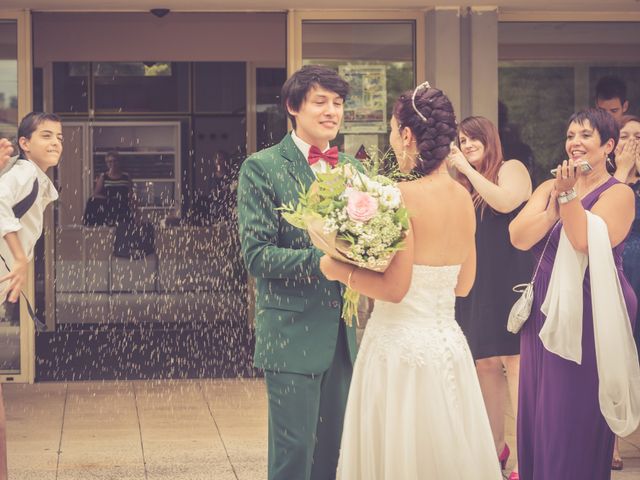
{"points": [[183, 96]]}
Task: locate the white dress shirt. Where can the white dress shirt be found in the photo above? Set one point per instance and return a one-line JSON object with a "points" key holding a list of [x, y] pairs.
{"points": [[15, 185], [320, 166]]}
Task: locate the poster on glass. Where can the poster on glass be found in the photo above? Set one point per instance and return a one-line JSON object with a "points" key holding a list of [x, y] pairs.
{"points": [[365, 110]]}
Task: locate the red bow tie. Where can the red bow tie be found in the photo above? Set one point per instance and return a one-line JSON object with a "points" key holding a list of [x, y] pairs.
{"points": [[330, 156]]}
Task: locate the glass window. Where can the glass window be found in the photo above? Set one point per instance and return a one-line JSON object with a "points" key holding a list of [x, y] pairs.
{"points": [[71, 87], [147, 153], [106, 264], [8, 79], [378, 60], [141, 86], [38, 90], [220, 87], [547, 71], [271, 124]]}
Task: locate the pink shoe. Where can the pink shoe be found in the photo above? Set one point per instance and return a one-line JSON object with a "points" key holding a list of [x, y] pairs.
{"points": [[617, 464], [514, 476], [504, 456]]}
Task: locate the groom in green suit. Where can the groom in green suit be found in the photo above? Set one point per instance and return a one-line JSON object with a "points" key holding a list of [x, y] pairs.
{"points": [[304, 347]]}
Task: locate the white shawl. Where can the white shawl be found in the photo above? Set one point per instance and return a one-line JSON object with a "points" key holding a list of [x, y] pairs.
{"points": [[616, 354]]}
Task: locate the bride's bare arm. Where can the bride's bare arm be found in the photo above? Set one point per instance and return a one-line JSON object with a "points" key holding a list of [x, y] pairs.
{"points": [[467, 275], [390, 286]]}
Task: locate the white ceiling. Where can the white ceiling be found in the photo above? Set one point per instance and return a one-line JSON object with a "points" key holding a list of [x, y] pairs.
{"points": [[576, 6]]}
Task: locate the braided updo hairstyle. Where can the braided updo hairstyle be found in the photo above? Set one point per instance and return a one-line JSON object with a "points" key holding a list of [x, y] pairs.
{"points": [[433, 125]]}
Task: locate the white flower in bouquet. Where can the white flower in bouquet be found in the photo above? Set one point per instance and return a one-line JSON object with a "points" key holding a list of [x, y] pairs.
{"points": [[390, 197]]}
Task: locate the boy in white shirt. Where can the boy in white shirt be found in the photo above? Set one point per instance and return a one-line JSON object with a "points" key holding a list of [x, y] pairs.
{"points": [[40, 145]]}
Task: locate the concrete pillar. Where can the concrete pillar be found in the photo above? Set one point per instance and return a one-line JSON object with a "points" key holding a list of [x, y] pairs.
{"points": [[442, 26], [482, 81]]}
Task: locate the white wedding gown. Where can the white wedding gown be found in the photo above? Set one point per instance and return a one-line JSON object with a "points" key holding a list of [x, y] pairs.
{"points": [[415, 409]]}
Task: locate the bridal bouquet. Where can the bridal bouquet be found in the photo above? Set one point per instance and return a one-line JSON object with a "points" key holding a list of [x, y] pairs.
{"points": [[354, 218]]}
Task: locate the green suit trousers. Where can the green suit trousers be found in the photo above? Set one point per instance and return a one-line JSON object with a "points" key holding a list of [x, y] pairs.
{"points": [[306, 412]]}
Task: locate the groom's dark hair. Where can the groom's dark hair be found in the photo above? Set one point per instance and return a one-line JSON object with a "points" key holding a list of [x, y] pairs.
{"points": [[295, 89]]}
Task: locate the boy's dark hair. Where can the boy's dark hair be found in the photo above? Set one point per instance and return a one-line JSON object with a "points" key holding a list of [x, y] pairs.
{"points": [[600, 120], [611, 87], [30, 124], [295, 89]]}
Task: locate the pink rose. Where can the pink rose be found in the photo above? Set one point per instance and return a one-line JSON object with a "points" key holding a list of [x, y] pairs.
{"points": [[361, 206]]}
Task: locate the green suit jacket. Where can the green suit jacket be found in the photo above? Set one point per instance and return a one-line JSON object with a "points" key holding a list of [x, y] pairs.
{"points": [[297, 308]]}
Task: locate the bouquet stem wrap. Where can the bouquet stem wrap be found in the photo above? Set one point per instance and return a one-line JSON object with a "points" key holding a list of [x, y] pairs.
{"points": [[350, 300]]}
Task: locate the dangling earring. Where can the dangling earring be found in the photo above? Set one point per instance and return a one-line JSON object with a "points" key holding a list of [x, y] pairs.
{"points": [[609, 162], [404, 153]]}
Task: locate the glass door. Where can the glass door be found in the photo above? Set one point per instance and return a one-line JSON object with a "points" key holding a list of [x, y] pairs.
{"points": [[16, 327]]}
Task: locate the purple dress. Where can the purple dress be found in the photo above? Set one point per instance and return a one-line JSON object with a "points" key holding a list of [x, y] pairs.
{"points": [[561, 433]]}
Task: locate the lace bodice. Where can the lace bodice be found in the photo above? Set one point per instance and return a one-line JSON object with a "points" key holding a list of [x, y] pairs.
{"points": [[430, 299], [421, 328]]}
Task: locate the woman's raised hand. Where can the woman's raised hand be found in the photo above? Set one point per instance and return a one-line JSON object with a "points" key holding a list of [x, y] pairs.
{"points": [[627, 156], [457, 160], [567, 175]]}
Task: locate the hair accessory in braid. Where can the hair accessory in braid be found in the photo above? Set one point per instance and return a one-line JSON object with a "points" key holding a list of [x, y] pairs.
{"points": [[413, 99]]}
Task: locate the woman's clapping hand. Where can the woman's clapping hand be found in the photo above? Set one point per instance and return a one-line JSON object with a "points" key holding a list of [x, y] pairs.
{"points": [[627, 156]]}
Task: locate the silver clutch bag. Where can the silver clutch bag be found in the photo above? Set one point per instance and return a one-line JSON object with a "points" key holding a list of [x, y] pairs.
{"points": [[521, 310]]}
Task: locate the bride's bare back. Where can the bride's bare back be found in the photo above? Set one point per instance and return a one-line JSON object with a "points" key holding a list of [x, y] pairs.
{"points": [[443, 222]]}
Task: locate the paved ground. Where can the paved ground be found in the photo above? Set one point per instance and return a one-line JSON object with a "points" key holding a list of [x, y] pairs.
{"points": [[155, 430]]}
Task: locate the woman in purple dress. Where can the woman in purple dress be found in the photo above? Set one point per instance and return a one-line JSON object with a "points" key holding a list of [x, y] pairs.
{"points": [[562, 433]]}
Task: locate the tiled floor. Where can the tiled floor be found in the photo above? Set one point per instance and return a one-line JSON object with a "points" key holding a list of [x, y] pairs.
{"points": [[154, 430]]}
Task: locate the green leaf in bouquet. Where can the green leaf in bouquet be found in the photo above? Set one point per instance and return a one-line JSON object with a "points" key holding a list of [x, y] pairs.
{"points": [[325, 206], [295, 216], [331, 186], [402, 217], [347, 237], [397, 246], [295, 219], [382, 180], [379, 162]]}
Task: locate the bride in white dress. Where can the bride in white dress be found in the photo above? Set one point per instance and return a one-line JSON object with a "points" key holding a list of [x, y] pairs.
{"points": [[415, 410]]}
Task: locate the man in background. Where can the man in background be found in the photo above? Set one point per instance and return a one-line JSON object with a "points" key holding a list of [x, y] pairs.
{"points": [[611, 95]]}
